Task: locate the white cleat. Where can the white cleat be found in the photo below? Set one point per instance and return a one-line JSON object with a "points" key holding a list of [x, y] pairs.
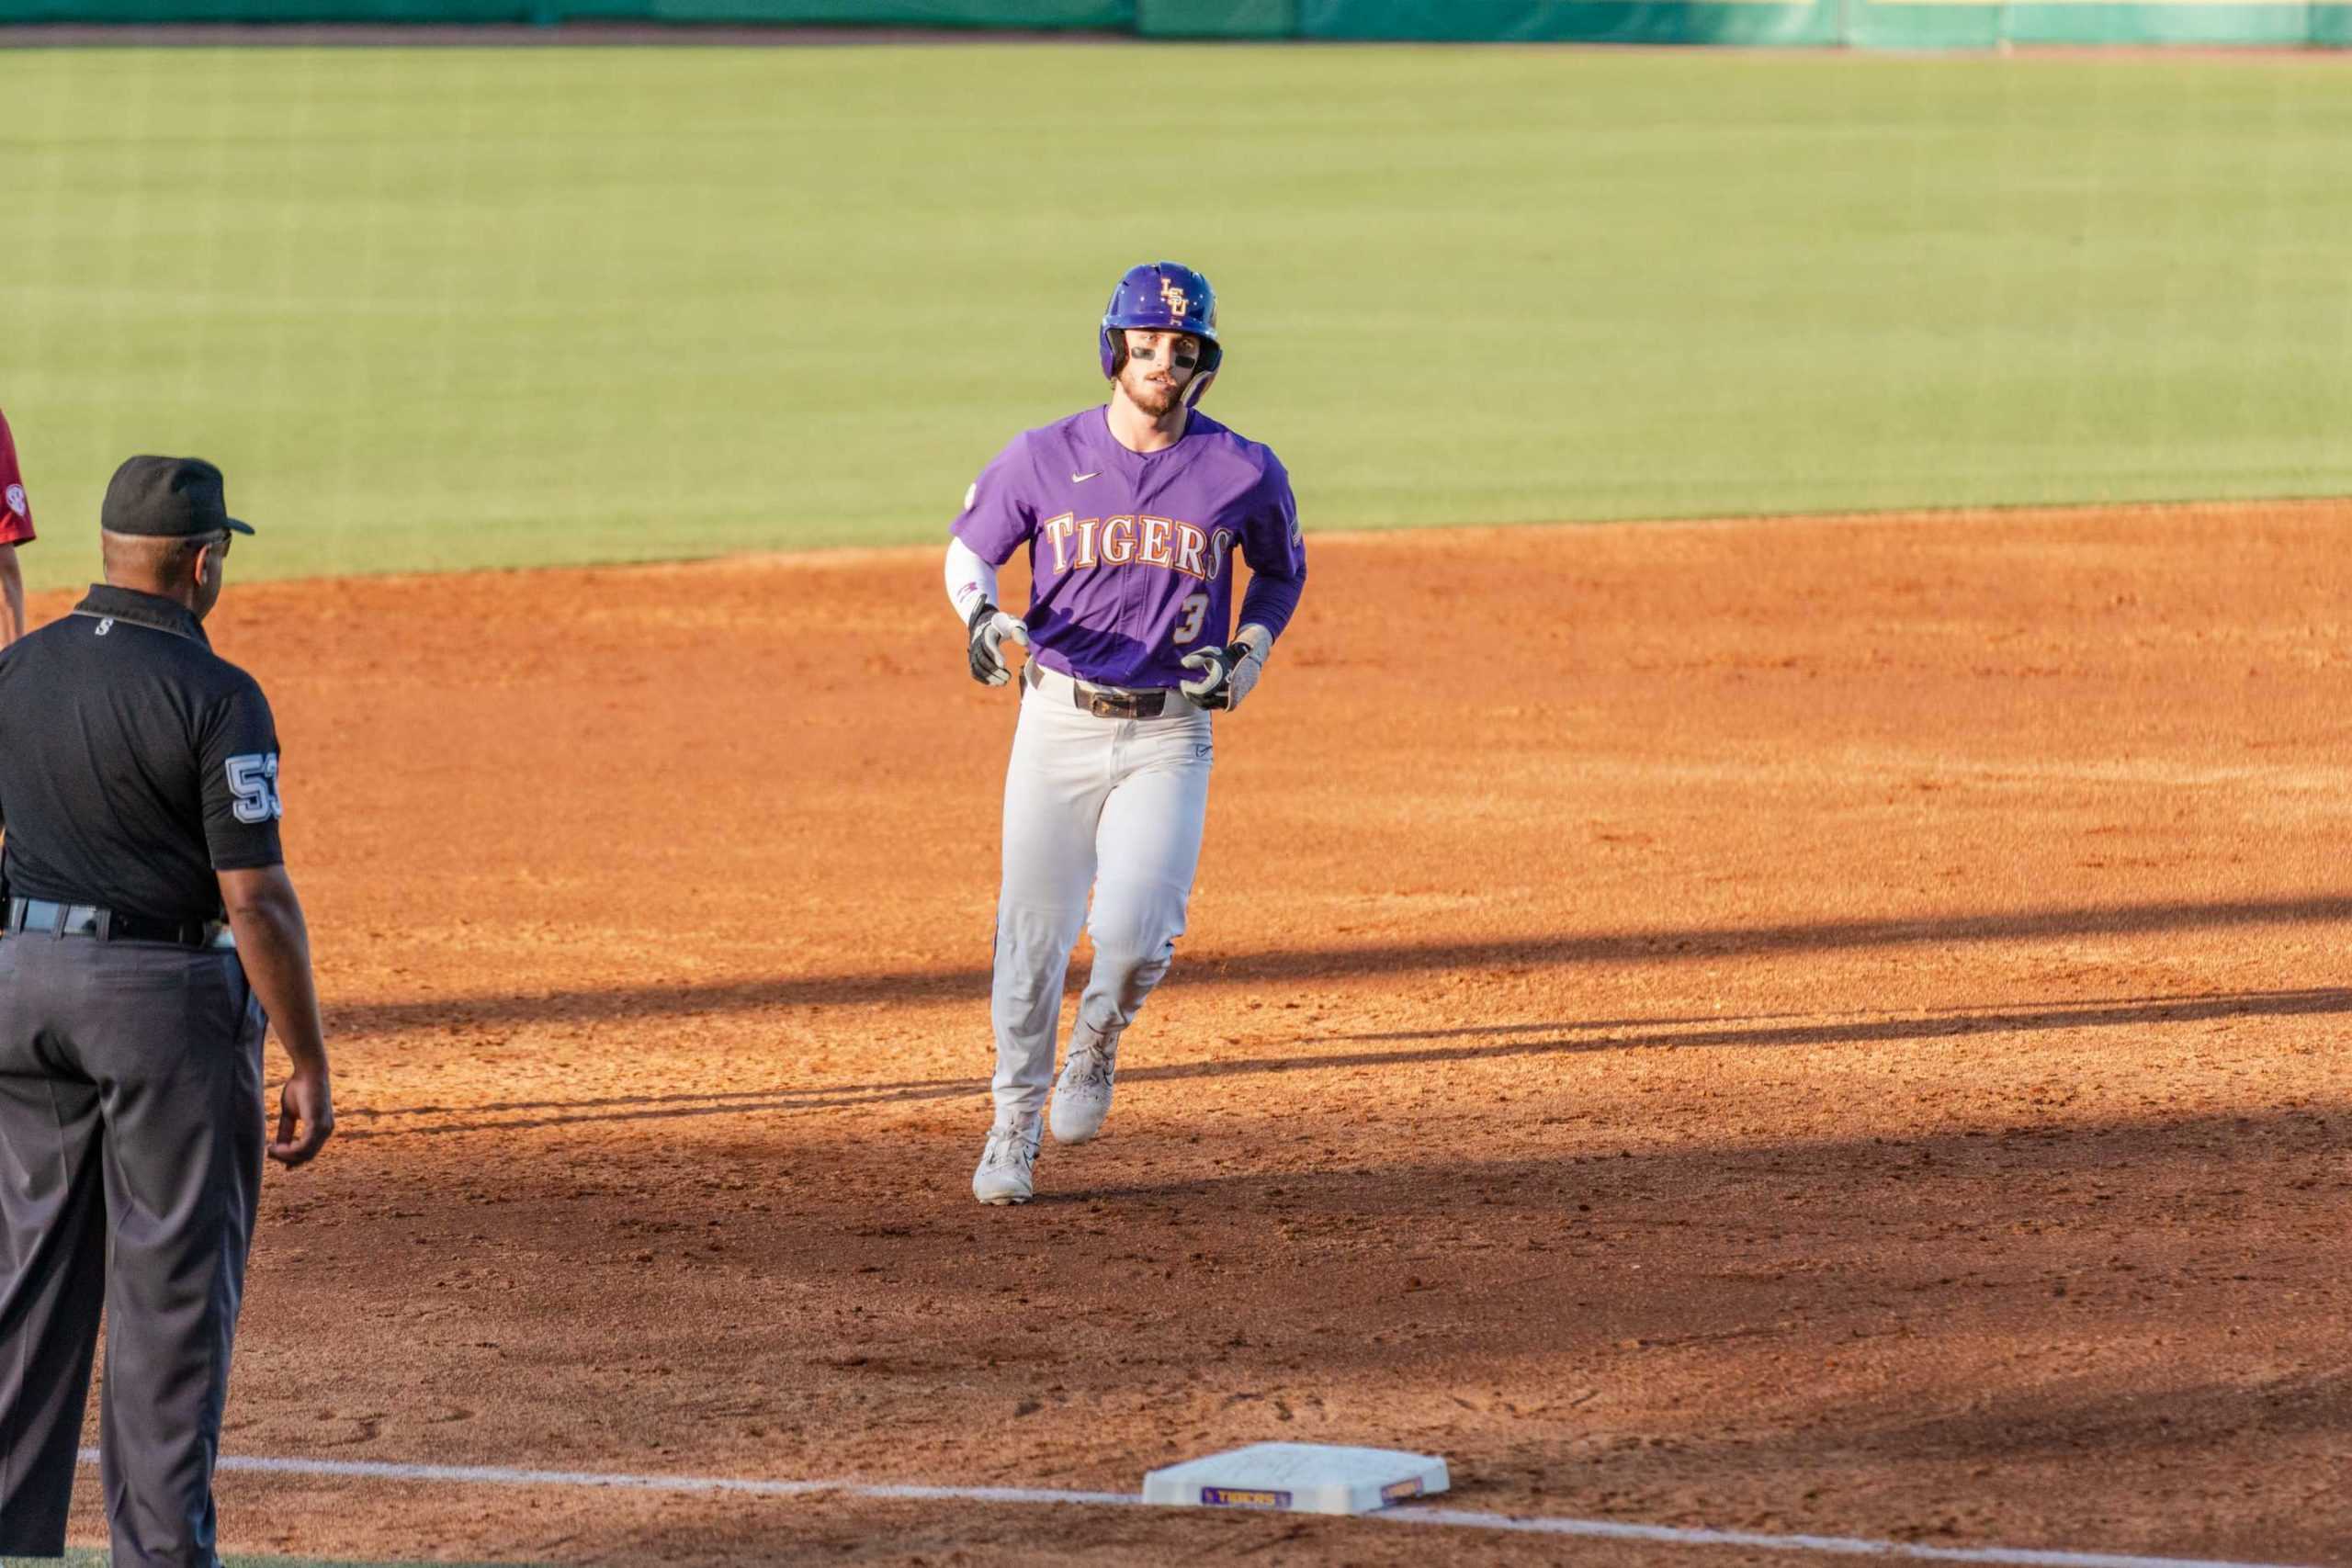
{"points": [[1008, 1164], [1082, 1094]]}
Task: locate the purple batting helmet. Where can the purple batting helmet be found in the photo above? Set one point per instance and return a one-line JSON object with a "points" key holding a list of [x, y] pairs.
{"points": [[1163, 297]]}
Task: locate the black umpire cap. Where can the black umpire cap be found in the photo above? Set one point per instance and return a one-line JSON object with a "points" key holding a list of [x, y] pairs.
{"points": [[169, 498]]}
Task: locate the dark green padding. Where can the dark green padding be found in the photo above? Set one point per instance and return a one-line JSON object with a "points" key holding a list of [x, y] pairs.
{"points": [[1217, 18]]}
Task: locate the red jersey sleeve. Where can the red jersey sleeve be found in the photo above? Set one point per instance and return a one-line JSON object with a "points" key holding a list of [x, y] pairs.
{"points": [[16, 512]]}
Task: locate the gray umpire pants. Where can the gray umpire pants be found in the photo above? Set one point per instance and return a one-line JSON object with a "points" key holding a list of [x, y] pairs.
{"points": [[130, 1147]]}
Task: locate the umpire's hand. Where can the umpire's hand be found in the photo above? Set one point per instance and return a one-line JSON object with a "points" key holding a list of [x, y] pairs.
{"points": [[305, 1106]]}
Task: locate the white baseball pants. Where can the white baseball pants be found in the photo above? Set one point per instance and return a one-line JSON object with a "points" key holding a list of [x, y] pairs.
{"points": [[1111, 805]]}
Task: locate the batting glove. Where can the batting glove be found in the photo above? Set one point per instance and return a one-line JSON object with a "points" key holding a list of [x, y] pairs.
{"points": [[989, 627], [1226, 676]]}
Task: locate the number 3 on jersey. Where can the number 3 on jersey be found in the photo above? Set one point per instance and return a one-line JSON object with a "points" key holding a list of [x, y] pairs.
{"points": [[253, 779], [1195, 609]]}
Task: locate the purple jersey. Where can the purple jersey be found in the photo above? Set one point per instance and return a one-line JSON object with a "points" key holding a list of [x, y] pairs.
{"points": [[1130, 553]]}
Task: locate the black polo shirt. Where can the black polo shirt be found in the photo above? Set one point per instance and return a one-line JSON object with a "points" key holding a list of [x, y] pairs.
{"points": [[135, 762]]}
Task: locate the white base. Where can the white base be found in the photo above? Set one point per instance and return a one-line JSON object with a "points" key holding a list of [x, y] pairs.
{"points": [[1305, 1478]]}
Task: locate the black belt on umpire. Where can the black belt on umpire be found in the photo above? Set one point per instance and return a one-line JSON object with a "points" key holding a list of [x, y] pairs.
{"points": [[1102, 702], [39, 916]]}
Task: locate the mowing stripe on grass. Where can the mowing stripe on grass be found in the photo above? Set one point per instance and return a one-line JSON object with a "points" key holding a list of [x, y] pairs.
{"points": [[439, 310], [1458, 1518]]}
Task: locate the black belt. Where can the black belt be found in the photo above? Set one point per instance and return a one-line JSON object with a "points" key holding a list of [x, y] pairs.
{"points": [[39, 916], [1110, 702]]}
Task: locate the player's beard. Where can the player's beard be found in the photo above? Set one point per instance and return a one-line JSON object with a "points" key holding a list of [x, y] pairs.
{"points": [[1155, 398]]}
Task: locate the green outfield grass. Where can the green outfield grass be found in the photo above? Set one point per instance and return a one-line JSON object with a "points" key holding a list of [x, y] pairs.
{"points": [[460, 307]]}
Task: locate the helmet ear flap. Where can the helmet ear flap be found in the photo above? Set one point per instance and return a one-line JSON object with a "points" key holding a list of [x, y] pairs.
{"points": [[1114, 352], [1211, 356]]}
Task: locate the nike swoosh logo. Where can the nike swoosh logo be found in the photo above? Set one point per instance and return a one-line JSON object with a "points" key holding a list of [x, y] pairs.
{"points": [[1081, 478]]}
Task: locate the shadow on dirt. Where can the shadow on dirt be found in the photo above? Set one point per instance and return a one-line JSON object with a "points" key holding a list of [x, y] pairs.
{"points": [[1308, 965], [1618, 1034]]}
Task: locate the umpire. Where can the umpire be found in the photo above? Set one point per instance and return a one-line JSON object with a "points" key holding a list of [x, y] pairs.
{"points": [[151, 934]]}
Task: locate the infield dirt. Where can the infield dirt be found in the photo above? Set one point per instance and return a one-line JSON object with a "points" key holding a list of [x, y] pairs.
{"points": [[1817, 1026]]}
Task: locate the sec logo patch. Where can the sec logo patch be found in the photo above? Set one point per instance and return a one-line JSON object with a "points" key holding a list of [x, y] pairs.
{"points": [[17, 501]]}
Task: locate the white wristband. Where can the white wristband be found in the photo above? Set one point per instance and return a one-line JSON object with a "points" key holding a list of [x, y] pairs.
{"points": [[971, 579]]}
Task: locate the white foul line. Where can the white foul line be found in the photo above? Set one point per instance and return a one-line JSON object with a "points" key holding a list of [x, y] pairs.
{"points": [[1409, 1514]]}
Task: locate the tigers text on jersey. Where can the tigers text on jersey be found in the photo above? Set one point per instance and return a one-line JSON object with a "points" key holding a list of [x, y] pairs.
{"points": [[1131, 554]]}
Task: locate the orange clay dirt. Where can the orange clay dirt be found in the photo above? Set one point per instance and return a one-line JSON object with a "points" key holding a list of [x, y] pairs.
{"points": [[1821, 1027]]}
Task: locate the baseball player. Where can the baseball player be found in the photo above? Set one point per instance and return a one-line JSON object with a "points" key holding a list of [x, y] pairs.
{"points": [[16, 528], [1133, 515]]}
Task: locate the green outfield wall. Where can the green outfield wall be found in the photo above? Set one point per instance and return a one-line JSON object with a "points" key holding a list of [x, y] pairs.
{"points": [[1863, 24]]}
